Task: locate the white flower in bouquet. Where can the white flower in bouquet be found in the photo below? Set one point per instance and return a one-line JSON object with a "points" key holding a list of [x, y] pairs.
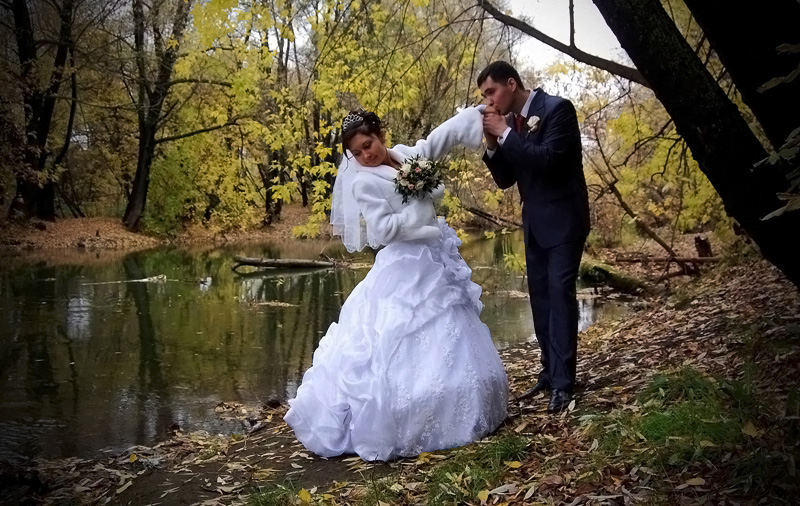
{"points": [[416, 177]]}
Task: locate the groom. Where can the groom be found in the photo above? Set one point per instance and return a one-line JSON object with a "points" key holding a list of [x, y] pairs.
{"points": [[533, 140]]}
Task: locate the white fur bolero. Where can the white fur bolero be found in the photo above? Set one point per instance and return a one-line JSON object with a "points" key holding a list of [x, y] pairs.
{"points": [[387, 218]]}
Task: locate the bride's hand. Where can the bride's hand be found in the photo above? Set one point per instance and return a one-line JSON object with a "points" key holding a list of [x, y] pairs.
{"points": [[437, 193], [419, 212], [428, 232], [489, 112], [418, 220]]}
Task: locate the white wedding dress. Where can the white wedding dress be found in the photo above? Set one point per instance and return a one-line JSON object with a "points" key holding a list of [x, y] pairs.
{"points": [[409, 367]]}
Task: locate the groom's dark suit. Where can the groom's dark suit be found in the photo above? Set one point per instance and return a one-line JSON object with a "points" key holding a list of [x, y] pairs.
{"points": [[545, 163]]}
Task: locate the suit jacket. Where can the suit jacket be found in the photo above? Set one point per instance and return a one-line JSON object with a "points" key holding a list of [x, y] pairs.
{"points": [[546, 165]]}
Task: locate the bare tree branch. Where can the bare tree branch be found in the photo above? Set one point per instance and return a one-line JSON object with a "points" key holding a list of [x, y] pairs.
{"points": [[611, 187], [139, 41], [609, 66], [158, 37], [571, 23], [195, 132], [491, 218], [641, 142], [72, 108], [199, 81]]}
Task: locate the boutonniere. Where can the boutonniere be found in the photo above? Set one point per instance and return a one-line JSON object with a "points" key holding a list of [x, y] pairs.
{"points": [[533, 123]]}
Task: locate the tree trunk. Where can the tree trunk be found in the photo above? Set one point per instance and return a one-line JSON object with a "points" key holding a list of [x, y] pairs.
{"points": [[32, 200], [150, 103], [265, 172], [269, 171], [746, 38], [35, 193], [141, 182], [331, 141], [716, 133]]}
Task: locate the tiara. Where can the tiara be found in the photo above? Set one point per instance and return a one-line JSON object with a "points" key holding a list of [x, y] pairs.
{"points": [[352, 120]]}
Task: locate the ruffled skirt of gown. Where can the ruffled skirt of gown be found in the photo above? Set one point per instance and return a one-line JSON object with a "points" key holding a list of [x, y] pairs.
{"points": [[409, 367]]}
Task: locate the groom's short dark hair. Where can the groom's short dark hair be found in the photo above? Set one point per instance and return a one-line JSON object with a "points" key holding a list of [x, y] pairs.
{"points": [[500, 72]]}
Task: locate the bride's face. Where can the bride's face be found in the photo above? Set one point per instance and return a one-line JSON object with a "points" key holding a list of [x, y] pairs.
{"points": [[369, 150]]}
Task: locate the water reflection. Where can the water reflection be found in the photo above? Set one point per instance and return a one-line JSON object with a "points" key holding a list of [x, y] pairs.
{"points": [[93, 357]]}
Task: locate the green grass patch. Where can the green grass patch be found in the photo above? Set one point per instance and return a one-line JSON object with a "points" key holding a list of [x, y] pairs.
{"points": [[688, 431], [687, 384], [383, 490], [457, 479], [686, 418], [368, 491], [278, 494], [679, 418], [476, 467]]}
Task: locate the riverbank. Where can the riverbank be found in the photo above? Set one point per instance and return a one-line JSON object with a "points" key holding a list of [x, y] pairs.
{"points": [[109, 234], [82, 241], [691, 400]]}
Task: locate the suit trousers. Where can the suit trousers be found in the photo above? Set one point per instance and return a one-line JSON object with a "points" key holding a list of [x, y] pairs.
{"points": [[552, 283]]}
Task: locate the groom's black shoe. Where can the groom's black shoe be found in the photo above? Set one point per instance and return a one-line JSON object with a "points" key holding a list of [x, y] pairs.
{"points": [[540, 386], [559, 400]]}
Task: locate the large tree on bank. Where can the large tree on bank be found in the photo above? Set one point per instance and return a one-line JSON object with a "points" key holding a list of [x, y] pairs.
{"points": [[754, 59], [712, 126], [151, 94], [35, 192], [720, 139]]}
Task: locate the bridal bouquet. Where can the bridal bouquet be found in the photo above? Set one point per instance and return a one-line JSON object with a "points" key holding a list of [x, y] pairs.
{"points": [[416, 176]]}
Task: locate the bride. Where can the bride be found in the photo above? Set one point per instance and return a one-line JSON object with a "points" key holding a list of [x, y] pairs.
{"points": [[409, 367]]}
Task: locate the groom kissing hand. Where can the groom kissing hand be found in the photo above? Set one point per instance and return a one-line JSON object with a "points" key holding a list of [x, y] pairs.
{"points": [[494, 124], [533, 140]]}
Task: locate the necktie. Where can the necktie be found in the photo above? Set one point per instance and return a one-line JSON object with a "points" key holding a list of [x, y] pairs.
{"points": [[519, 120]]}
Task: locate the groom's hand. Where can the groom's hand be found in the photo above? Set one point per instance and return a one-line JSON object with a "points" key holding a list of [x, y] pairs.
{"points": [[489, 114], [493, 123]]}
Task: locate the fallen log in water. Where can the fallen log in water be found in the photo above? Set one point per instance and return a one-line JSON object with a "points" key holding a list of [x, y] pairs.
{"points": [[645, 259], [282, 263], [280, 273], [592, 271]]}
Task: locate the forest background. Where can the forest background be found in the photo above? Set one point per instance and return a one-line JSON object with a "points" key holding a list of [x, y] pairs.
{"points": [[174, 114]]}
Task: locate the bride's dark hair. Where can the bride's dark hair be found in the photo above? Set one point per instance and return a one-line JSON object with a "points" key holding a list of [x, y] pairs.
{"points": [[360, 122]]}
